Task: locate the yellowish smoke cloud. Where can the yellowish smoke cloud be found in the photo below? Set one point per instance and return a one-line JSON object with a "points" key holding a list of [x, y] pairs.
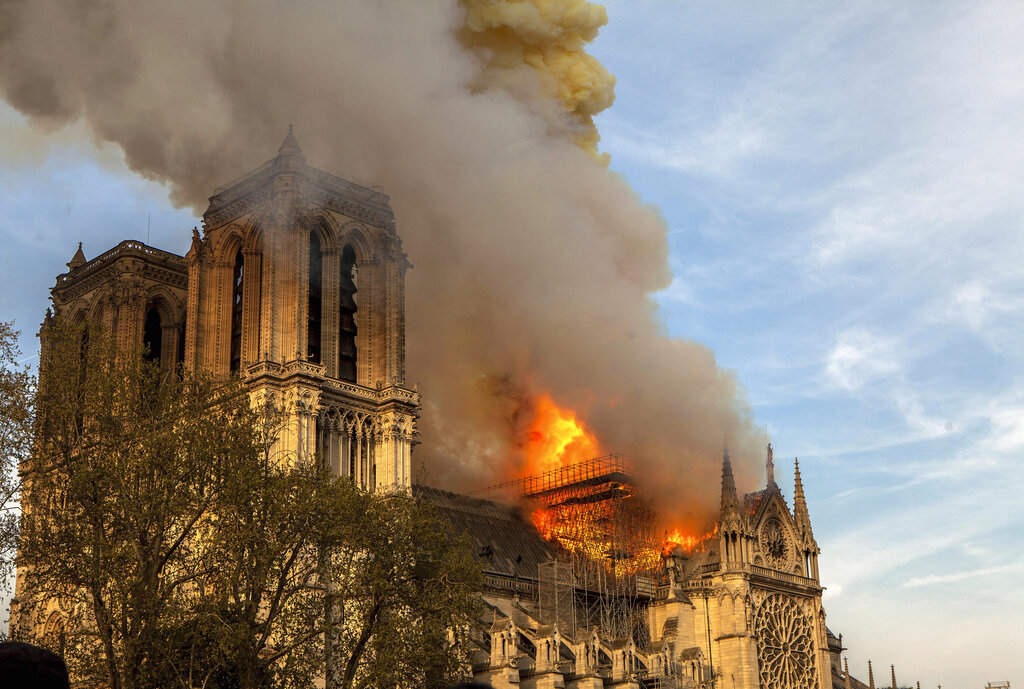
{"points": [[548, 37]]}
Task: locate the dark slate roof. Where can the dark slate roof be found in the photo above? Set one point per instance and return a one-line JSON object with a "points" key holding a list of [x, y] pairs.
{"points": [[839, 682], [504, 539], [834, 642]]}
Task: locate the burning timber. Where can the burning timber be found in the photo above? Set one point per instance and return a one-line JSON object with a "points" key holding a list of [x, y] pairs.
{"points": [[607, 550]]}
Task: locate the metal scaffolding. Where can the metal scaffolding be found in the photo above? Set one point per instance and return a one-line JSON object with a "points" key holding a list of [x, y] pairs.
{"points": [[607, 536]]}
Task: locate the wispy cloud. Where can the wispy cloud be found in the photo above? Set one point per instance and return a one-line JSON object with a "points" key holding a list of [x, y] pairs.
{"points": [[933, 579], [860, 357]]}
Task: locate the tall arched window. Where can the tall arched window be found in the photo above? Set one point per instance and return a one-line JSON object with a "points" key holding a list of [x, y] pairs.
{"points": [[84, 353], [153, 335], [238, 277], [316, 270], [347, 317], [181, 344]]}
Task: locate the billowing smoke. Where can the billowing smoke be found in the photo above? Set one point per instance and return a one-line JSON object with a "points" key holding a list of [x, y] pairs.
{"points": [[533, 262], [534, 49]]}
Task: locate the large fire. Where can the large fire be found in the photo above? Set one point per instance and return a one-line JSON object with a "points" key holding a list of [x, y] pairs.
{"points": [[687, 542], [556, 438], [618, 531]]}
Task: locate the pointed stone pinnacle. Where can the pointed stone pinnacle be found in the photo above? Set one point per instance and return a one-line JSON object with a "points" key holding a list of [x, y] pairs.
{"points": [[893, 667], [290, 145], [846, 673], [78, 259], [871, 677], [729, 499]]}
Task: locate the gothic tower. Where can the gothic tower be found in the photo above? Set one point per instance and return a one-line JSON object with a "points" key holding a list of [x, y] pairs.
{"points": [[298, 286]]}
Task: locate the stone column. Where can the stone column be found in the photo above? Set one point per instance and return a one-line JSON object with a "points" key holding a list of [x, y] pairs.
{"points": [[193, 316]]}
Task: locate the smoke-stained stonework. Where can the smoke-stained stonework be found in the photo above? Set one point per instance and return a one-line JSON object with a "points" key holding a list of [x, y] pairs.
{"points": [[249, 298]]}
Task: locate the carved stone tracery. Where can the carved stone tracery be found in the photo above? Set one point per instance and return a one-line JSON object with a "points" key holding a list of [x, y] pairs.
{"points": [[785, 644]]}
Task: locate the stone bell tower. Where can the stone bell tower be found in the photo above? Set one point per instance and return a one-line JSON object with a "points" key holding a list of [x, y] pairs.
{"points": [[297, 285]]}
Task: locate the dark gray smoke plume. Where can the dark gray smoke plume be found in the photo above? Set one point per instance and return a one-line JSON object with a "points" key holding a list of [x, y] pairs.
{"points": [[533, 264]]}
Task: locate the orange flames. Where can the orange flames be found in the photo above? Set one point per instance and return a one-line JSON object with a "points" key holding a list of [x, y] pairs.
{"points": [[688, 542], [556, 438]]}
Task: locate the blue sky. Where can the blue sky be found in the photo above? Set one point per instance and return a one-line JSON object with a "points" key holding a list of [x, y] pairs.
{"points": [[842, 185]]}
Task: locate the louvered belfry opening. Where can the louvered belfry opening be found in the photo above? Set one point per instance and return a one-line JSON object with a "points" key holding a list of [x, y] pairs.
{"points": [[315, 299], [238, 278], [347, 317], [153, 335]]}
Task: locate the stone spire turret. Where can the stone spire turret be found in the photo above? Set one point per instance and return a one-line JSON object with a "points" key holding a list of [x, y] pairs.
{"points": [[77, 260], [893, 676], [770, 468], [729, 500], [800, 514], [729, 522], [871, 677], [846, 673], [290, 146]]}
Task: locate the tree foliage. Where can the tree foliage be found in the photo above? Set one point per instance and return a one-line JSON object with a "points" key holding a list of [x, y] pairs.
{"points": [[17, 388], [404, 597], [168, 545], [128, 466]]}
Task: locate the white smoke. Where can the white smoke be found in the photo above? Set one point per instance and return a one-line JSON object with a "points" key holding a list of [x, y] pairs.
{"points": [[533, 263]]}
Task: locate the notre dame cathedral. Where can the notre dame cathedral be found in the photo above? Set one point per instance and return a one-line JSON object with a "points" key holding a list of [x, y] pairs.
{"points": [[297, 286]]}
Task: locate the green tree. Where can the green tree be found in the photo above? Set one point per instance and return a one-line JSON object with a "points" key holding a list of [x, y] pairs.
{"points": [[16, 404], [405, 593], [183, 552], [128, 465]]}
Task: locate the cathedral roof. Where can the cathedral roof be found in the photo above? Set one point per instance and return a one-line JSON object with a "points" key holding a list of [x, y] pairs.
{"points": [[839, 681], [504, 540]]}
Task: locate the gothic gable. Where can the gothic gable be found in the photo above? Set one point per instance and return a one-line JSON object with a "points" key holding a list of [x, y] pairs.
{"points": [[777, 543]]}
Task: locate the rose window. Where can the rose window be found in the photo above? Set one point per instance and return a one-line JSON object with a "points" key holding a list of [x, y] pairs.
{"points": [[775, 545], [785, 647]]}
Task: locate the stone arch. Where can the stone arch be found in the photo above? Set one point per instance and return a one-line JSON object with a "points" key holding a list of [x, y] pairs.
{"points": [[326, 229], [103, 308], [167, 304], [55, 623], [83, 314], [252, 237], [564, 651], [359, 236], [229, 241]]}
